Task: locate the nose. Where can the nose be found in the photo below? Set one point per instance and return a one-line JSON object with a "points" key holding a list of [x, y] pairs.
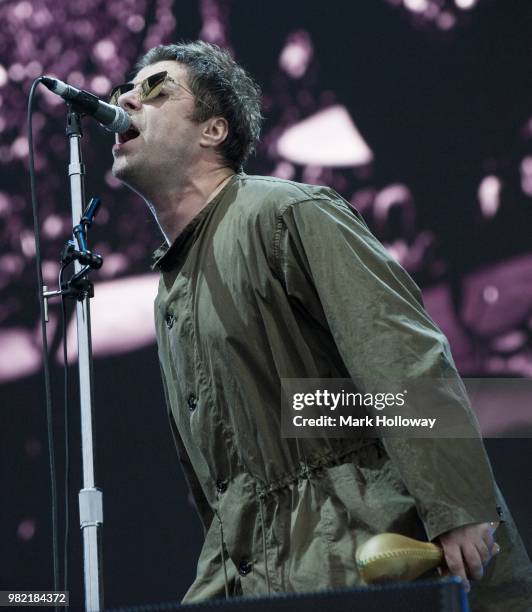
{"points": [[129, 101]]}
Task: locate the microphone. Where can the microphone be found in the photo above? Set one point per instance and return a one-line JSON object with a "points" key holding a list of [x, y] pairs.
{"points": [[113, 118]]}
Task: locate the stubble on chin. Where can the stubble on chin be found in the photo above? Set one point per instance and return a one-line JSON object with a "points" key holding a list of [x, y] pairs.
{"points": [[129, 175], [122, 168], [121, 171]]}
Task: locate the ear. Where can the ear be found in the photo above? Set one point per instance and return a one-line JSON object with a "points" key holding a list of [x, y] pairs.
{"points": [[214, 132]]}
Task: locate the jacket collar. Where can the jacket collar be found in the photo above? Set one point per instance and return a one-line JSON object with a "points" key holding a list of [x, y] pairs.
{"points": [[166, 256]]}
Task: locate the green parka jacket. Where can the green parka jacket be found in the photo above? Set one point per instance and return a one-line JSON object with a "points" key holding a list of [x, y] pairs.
{"points": [[271, 280]]}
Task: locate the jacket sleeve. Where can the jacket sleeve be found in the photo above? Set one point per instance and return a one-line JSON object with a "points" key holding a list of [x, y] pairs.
{"points": [[374, 310], [202, 506]]}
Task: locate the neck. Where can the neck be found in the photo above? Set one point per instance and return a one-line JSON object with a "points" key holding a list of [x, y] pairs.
{"points": [[174, 206]]}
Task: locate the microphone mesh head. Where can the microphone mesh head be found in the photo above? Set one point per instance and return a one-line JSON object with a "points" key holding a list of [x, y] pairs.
{"points": [[121, 123]]}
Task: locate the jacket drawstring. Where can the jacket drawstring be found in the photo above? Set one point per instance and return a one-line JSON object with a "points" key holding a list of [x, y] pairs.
{"points": [[222, 552], [264, 548], [301, 452]]}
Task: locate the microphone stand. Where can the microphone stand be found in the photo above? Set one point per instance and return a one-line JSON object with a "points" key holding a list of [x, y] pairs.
{"points": [[79, 287]]}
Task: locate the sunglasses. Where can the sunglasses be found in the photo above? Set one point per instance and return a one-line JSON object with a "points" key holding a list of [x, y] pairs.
{"points": [[148, 89]]}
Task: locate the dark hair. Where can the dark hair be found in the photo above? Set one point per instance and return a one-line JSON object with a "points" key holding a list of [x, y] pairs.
{"points": [[225, 89]]}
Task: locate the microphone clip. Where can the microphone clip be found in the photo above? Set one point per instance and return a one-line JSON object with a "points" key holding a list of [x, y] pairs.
{"points": [[86, 257], [82, 254], [79, 286]]}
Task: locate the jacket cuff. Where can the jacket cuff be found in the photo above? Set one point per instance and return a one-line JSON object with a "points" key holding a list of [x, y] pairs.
{"points": [[443, 518]]}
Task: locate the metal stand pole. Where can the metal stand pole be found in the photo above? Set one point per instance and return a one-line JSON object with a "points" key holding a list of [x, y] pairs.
{"points": [[90, 498]]}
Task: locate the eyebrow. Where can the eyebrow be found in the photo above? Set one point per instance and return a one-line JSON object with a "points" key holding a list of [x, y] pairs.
{"points": [[132, 82], [167, 78]]}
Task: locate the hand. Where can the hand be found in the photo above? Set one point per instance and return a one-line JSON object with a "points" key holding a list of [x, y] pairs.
{"points": [[468, 549]]}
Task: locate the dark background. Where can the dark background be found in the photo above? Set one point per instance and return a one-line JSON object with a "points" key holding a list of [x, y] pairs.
{"points": [[440, 109]]}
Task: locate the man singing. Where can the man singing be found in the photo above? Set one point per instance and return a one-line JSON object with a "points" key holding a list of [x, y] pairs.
{"points": [[264, 279]]}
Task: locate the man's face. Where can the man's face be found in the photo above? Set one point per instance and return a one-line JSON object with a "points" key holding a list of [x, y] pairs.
{"points": [[167, 144]]}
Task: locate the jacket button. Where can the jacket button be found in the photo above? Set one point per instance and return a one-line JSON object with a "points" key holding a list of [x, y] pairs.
{"points": [[500, 512], [244, 568], [221, 486], [192, 403], [170, 320]]}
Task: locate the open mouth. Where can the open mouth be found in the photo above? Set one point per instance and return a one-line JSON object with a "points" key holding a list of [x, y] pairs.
{"points": [[129, 135]]}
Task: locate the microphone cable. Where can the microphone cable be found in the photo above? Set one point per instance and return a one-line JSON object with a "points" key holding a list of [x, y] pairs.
{"points": [[45, 351]]}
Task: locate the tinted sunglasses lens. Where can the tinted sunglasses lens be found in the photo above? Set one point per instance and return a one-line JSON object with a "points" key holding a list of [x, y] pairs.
{"points": [[118, 91], [151, 86]]}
